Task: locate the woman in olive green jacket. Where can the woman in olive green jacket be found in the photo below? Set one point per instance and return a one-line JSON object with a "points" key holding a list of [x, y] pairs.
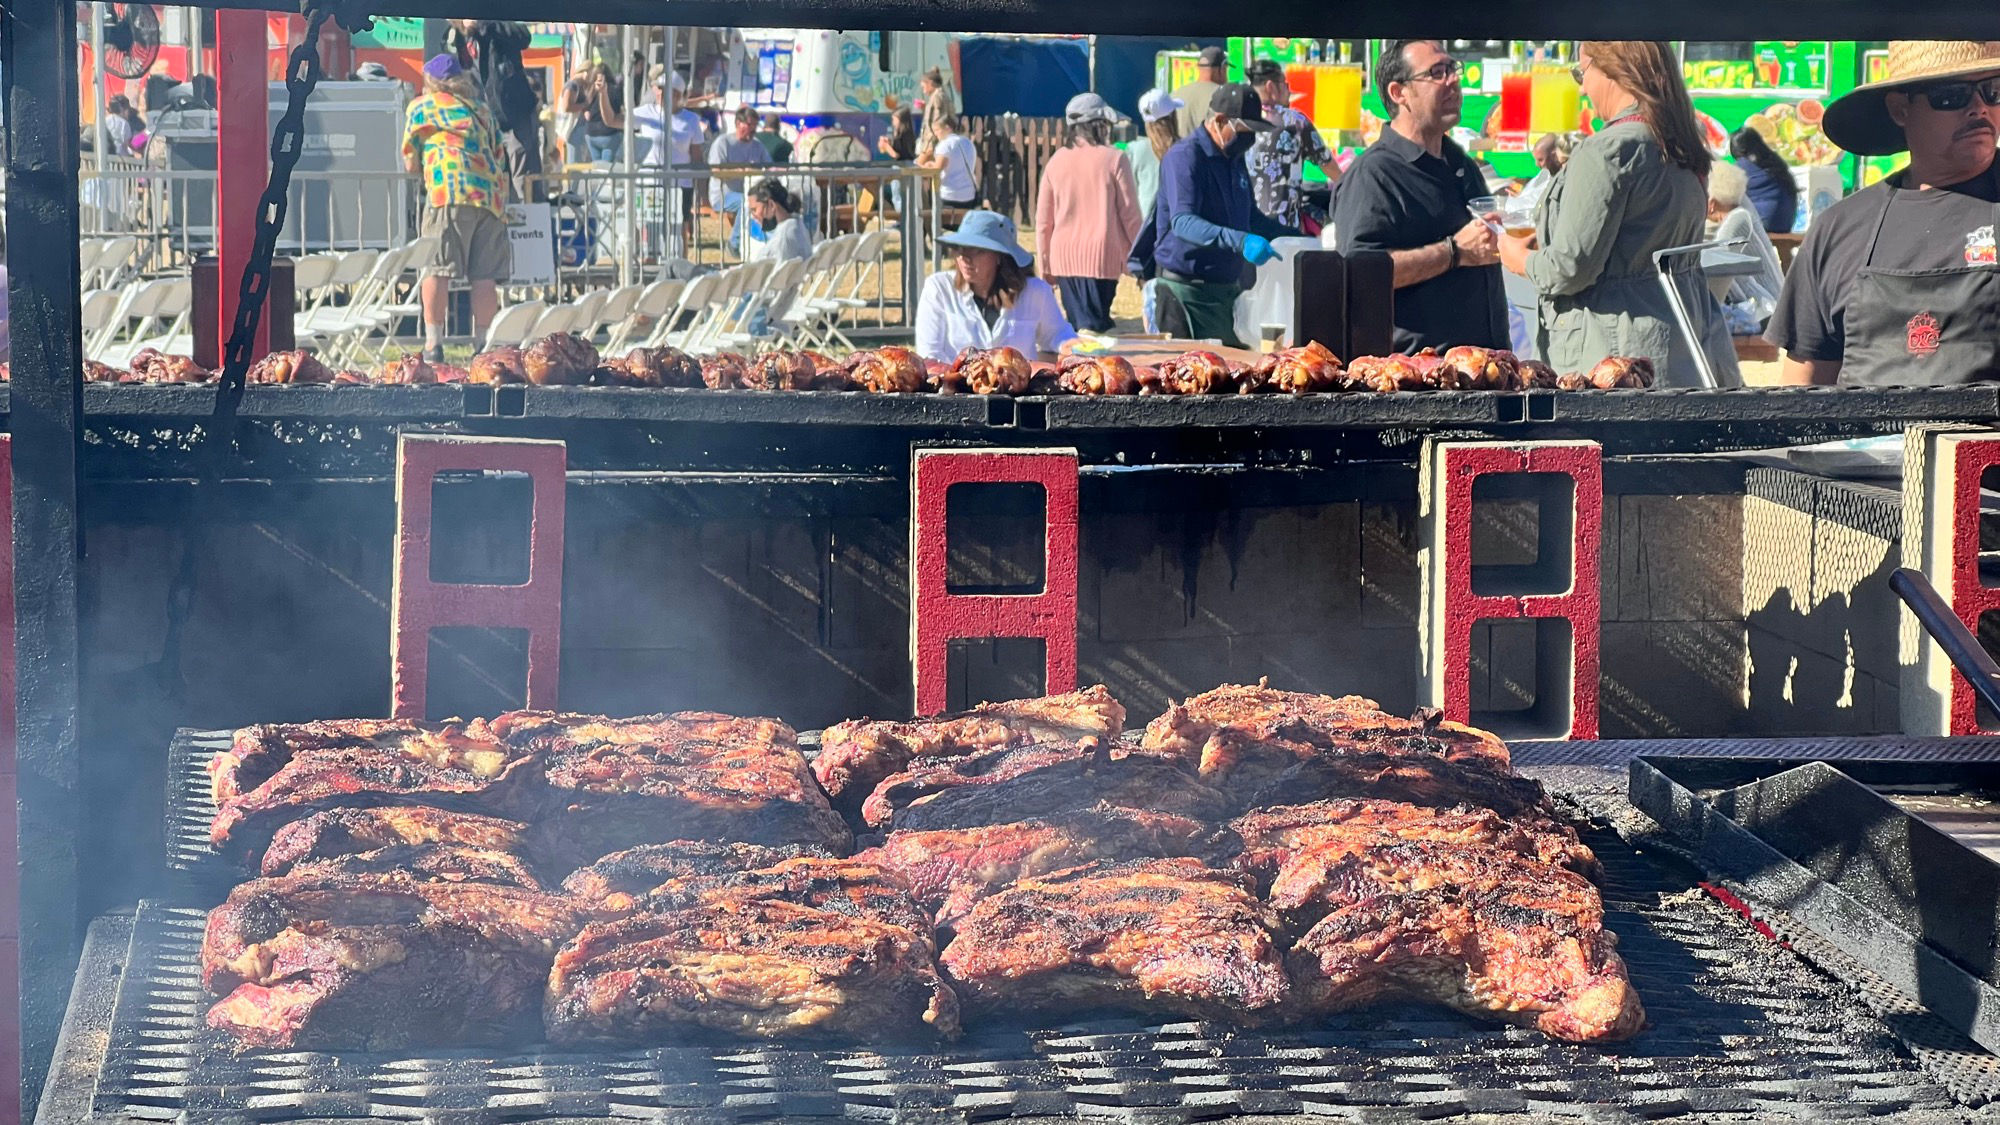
{"points": [[1635, 187]]}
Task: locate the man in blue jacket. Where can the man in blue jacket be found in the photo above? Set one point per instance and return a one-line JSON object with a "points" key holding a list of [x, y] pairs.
{"points": [[1206, 221]]}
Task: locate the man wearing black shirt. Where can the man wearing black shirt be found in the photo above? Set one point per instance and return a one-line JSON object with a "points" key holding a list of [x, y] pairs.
{"points": [[490, 50], [1407, 195], [1898, 284]]}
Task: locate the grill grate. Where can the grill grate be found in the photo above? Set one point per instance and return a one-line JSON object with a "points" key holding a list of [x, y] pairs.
{"points": [[1739, 1025]]}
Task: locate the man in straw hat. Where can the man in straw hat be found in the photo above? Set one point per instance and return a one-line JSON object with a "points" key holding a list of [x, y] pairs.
{"points": [[1898, 283]]}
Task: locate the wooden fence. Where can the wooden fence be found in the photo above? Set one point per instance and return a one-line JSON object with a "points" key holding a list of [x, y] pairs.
{"points": [[1012, 153]]}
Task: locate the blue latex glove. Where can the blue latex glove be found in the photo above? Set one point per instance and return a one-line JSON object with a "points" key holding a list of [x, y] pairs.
{"points": [[756, 229], [1257, 250]]}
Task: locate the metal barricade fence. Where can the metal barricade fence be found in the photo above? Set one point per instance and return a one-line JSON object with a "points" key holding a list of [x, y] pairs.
{"points": [[613, 226]]}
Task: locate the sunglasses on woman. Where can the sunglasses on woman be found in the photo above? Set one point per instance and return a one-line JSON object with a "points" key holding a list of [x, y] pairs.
{"points": [[1948, 96]]}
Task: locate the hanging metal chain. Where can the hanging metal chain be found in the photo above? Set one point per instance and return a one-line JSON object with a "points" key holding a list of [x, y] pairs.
{"points": [[302, 74]]}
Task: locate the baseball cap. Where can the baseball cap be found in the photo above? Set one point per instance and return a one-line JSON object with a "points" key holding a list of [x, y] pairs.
{"points": [[1157, 103], [1241, 105], [1089, 107], [1214, 56], [443, 66]]}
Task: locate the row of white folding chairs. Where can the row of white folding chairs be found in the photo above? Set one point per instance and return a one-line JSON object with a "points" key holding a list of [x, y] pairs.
{"points": [[119, 323], [341, 331], [106, 263]]}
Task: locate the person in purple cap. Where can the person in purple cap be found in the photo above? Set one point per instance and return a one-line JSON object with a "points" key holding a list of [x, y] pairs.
{"points": [[452, 140]]}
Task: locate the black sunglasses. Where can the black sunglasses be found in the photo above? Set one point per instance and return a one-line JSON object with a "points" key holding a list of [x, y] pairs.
{"points": [[1947, 96], [1444, 71]]}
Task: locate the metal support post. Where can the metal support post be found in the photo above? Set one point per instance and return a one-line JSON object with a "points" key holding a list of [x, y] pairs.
{"points": [[43, 292]]}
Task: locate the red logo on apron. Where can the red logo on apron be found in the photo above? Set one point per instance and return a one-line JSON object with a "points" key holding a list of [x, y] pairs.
{"points": [[1923, 332]]}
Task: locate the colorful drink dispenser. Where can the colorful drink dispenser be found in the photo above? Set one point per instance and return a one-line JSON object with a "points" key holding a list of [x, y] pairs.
{"points": [[1337, 97], [1558, 101], [1516, 96], [1300, 77]]}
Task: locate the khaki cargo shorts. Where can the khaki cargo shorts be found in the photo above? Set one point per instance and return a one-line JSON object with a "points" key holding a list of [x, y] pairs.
{"points": [[471, 244]]}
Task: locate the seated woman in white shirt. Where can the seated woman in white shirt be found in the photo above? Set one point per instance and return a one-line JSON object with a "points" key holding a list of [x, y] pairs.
{"points": [[989, 300], [776, 232], [1752, 297]]}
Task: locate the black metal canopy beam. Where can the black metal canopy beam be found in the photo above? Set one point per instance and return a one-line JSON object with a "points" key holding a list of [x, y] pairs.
{"points": [[1543, 19]]}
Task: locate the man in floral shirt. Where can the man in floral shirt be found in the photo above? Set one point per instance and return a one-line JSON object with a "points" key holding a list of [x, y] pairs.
{"points": [[1277, 161], [452, 140]]}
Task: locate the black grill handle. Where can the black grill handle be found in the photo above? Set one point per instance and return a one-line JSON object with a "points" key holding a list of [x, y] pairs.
{"points": [[1958, 642]]}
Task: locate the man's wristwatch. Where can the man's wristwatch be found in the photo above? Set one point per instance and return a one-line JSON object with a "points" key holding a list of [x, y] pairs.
{"points": [[1452, 245]]}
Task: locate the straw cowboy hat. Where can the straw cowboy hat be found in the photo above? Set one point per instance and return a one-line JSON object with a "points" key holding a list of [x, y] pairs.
{"points": [[1859, 120]]}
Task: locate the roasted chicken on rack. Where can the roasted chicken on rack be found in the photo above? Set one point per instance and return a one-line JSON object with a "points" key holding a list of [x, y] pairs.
{"points": [[662, 367], [560, 359], [987, 371], [1097, 375], [887, 370], [498, 365], [1387, 374], [407, 370], [1310, 369], [1478, 369], [782, 371], [152, 366], [1190, 373], [1615, 373], [289, 367], [725, 371], [1539, 376]]}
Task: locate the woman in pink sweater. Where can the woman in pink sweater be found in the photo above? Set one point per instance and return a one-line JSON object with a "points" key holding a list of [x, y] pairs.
{"points": [[1087, 215]]}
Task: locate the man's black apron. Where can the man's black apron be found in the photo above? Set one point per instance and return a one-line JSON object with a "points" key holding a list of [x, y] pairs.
{"points": [[1933, 328]]}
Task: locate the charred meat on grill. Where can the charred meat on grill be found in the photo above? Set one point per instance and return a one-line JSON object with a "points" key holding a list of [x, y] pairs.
{"points": [[950, 869], [380, 962], [409, 370], [257, 752], [459, 765], [887, 370], [560, 359], [986, 371], [854, 888], [430, 863], [500, 365], [1478, 369], [935, 773], [616, 881], [1311, 369], [1247, 733], [1431, 782], [759, 967], [1158, 935], [662, 367], [1483, 930], [856, 755], [1191, 373], [1267, 837], [289, 367], [616, 784], [338, 832], [1098, 375], [1071, 782]]}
